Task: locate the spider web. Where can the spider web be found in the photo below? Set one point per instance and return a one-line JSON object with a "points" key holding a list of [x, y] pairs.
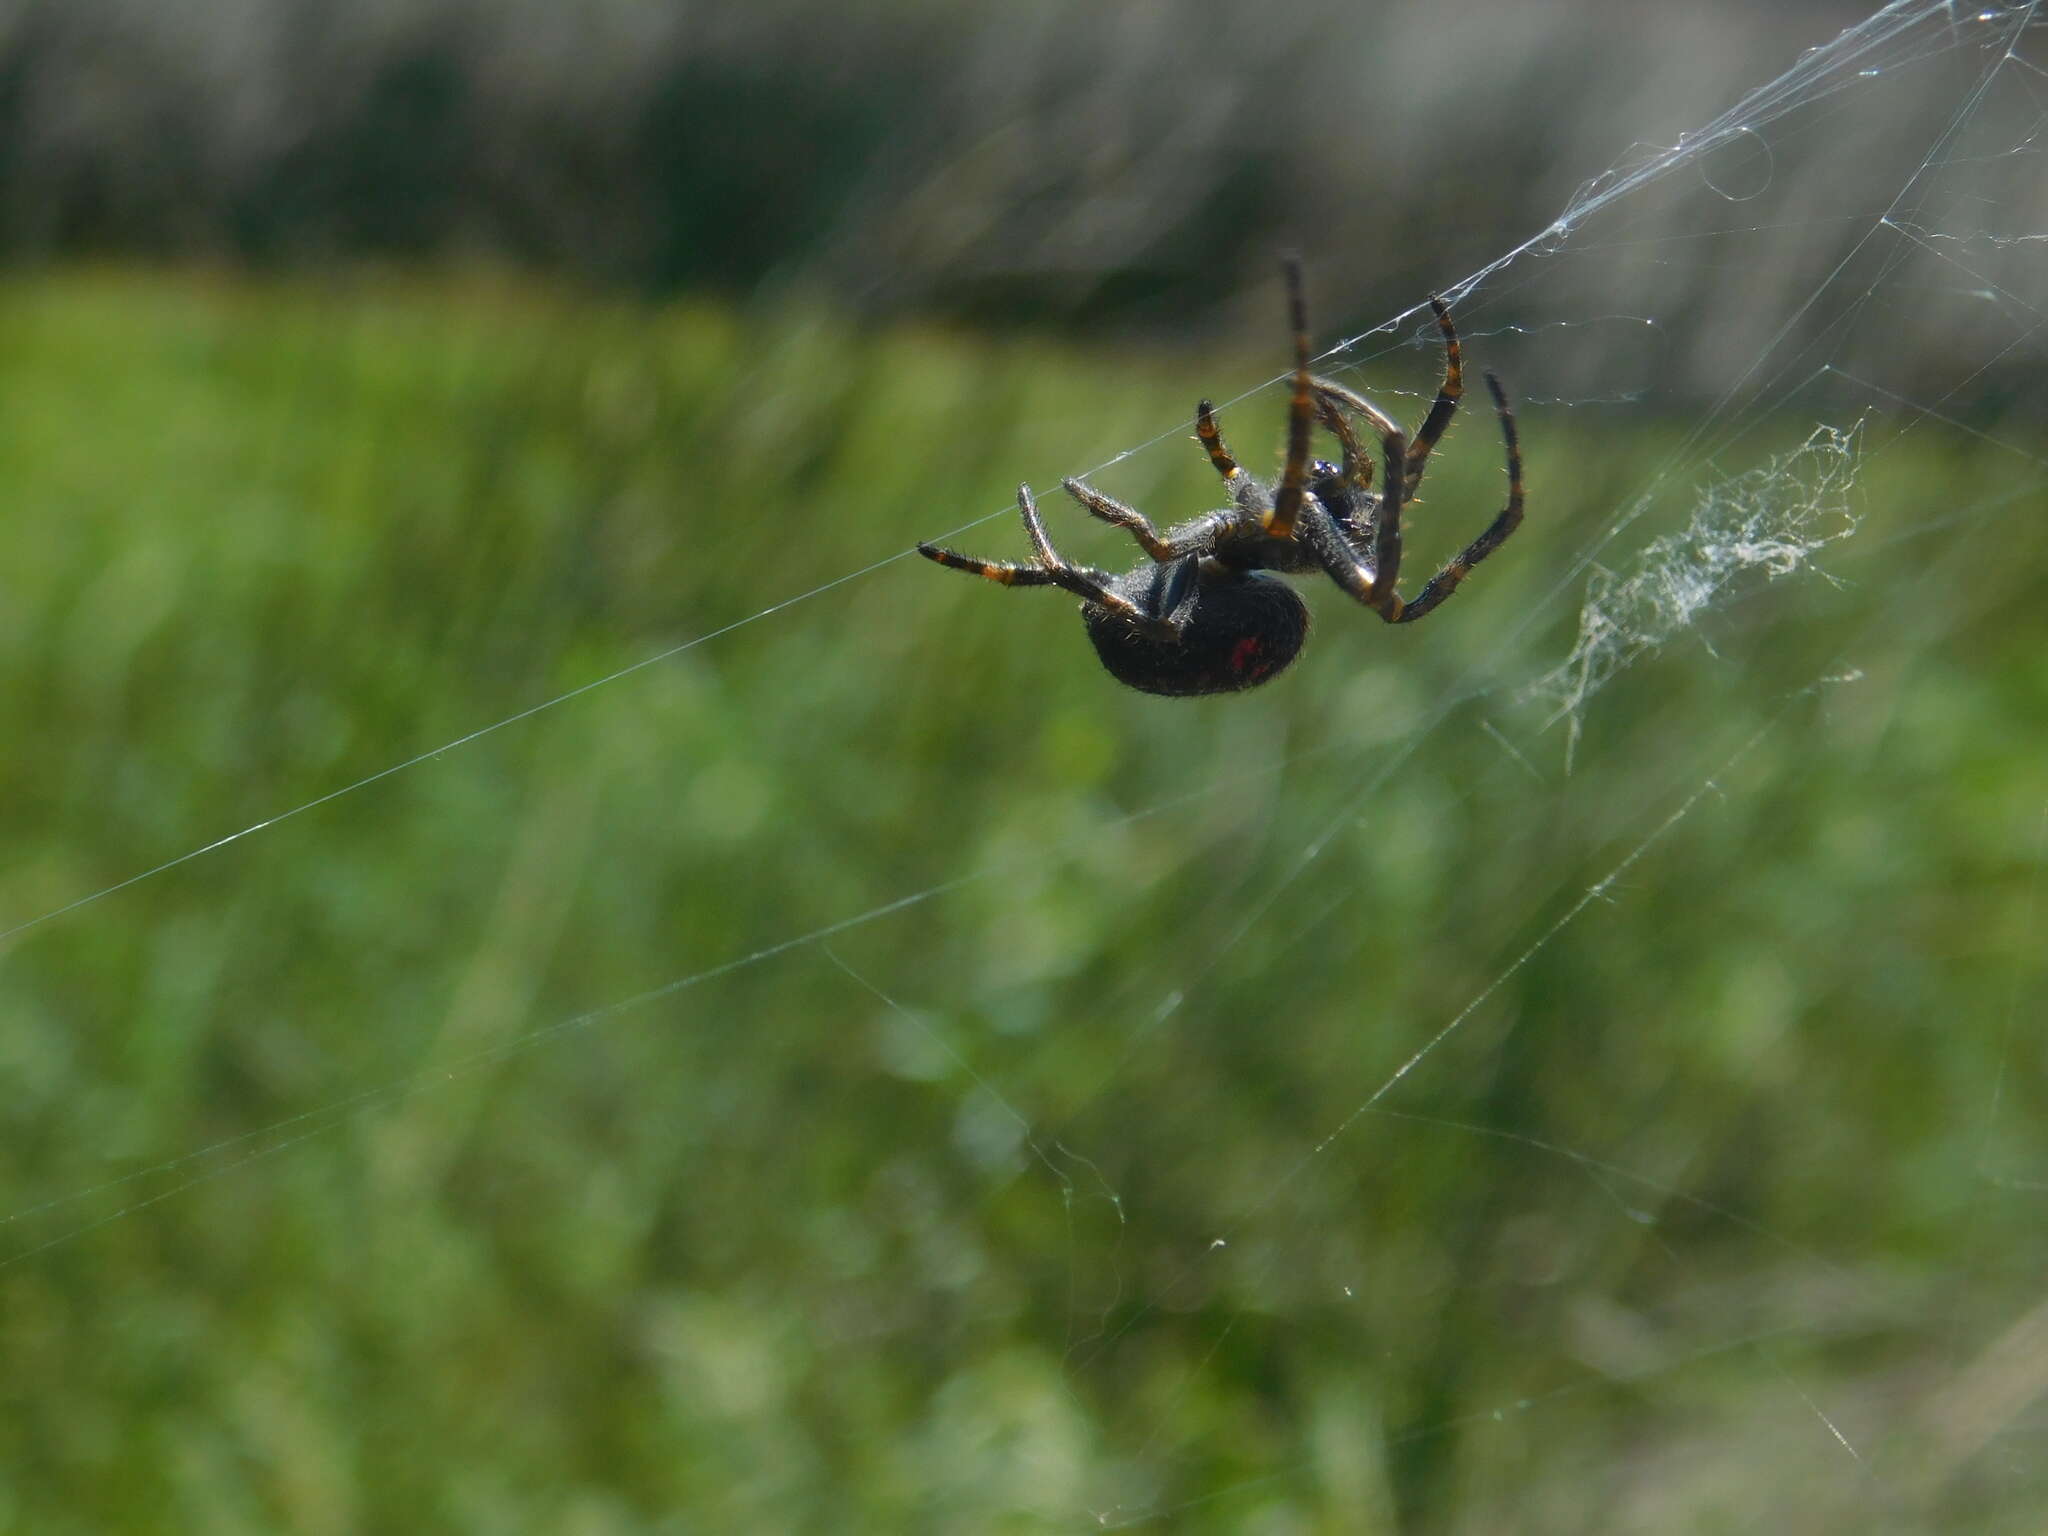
{"points": [[1360, 1168]]}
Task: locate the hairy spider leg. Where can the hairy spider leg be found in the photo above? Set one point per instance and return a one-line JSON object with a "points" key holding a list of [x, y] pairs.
{"points": [[1386, 526], [1052, 571], [1084, 581], [1447, 396], [1246, 494], [1357, 469], [1210, 436], [1004, 571], [1336, 550], [1445, 581], [1279, 523], [1129, 518], [1332, 400], [1196, 538], [1335, 395], [1334, 542]]}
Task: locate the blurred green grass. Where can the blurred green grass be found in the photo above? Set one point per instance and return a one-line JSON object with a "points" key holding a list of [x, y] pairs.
{"points": [[767, 1252]]}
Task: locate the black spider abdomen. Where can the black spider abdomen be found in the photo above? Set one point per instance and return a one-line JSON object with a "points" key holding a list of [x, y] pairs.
{"points": [[1239, 629]]}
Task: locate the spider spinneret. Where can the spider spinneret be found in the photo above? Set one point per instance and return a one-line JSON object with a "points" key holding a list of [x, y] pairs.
{"points": [[1210, 614]]}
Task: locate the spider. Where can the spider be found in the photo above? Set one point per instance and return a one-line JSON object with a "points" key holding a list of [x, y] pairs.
{"points": [[1208, 614]]}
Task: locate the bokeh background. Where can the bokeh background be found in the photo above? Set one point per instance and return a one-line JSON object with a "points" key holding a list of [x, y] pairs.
{"points": [[554, 977]]}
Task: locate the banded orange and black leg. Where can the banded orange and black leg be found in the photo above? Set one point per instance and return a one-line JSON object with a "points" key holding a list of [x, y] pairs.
{"points": [[1445, 581], [1210, 436], [1007, 572], [1448, 394]]}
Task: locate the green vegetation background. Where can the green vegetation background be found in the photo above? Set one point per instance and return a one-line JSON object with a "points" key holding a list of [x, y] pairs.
{"points": [[771, 1252]]}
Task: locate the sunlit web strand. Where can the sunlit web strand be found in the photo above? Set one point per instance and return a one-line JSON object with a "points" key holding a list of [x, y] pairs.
{"points": [[450, 746], [1761, 106], [1598, 891], [427, 1078]]}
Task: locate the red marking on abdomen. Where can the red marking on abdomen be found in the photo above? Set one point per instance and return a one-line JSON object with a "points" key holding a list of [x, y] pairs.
{"points": [[1244, 656]]}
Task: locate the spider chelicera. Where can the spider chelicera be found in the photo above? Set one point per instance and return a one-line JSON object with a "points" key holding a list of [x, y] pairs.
{"points": [[1209, 615]]}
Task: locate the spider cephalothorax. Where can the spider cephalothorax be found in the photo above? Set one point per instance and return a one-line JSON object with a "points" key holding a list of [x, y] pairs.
{"points": [[1209, 614]]}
